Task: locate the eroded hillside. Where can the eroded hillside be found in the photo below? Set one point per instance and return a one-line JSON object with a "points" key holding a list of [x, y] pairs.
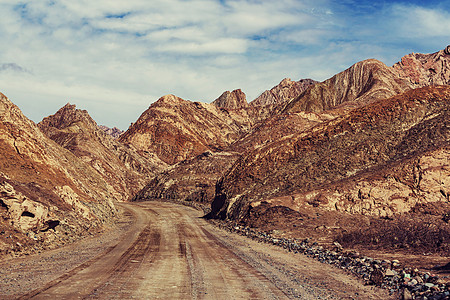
{"points": [[48, 196], [365, 141], [120, 166]]}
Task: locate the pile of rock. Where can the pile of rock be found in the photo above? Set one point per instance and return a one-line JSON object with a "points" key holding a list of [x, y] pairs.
{"points": [[405, 282]]}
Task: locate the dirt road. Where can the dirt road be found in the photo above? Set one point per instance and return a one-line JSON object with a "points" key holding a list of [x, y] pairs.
{"points": [[169, 252]]}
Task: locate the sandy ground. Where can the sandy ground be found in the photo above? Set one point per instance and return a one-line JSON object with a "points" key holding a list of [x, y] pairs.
{"points": [[166, 251]]}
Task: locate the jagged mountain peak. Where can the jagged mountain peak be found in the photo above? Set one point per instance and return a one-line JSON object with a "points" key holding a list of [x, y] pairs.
{"points": [[68, 115], [170, 98], [426, 69], [232, 100], [286, 90], [113, 132], [365, 81]]}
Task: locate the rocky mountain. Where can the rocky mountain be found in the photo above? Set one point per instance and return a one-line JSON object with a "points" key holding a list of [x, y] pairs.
{"points": [[425, 69], [113, 132], [372, 160], [193, 179], [231, 100], [278, 126], [365, 81], [176, 129], [284, 91], [372, 80], [48, 196], [371, 141], [125, 171]]}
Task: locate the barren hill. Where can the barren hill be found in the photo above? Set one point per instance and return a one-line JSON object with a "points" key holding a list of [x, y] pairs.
{"points": [[120, 166], [384, 136], [425, 69], [43, 186], [368, 80], [284, 91], [176, 129], [193, 179], [372, 80]]}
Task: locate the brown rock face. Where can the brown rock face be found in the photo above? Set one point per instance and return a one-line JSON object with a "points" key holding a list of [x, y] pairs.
{"points": [[385, 136], [113, 132], [190, 180], [277, 127], [364, 82], [125, 171], [43, 186], [371, 80], [425, 69], [447, 50], [231, 100], [284, 91], [176, 129]]}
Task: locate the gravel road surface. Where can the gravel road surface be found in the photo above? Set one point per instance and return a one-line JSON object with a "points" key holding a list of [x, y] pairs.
{"points": [[167, 251]]}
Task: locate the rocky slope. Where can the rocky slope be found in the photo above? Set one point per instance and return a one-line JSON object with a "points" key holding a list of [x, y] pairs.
{"points": [[365, 81], [193, 179], [47, 195], [284, 91], [231, 100], [176, 129], [371, 160], [372, 80], [278, 126], [113, 132], [425, 69], [125, 171]]}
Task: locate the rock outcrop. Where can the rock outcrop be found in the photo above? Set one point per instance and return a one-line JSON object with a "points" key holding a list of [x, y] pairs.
{"points": [[364, 82], [125, 171], [176, 129], [425, 69], [384, 137], [231, 100], [113, 132], [43, 187], [371, 80], [284, 91], [190, 180]]}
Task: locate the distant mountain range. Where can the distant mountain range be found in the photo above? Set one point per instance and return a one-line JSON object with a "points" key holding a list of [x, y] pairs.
{"points": [[371, 140]]}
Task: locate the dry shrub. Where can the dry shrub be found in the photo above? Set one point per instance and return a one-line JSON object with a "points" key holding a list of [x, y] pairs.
{"points": [[412, 233]]}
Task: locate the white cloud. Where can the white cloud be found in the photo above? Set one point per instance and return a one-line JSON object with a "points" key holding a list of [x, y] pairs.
{"points": [[225, 45], [415, 21], [103, 53]]}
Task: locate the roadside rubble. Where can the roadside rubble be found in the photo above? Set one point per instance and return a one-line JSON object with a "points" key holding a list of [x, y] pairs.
{"points": [[400, 281]]}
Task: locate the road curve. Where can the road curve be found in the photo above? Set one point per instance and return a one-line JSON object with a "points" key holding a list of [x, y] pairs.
{"points": [[171, 253]]}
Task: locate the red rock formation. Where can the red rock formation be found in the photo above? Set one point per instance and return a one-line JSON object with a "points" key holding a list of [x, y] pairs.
{"points": [[386, 135], [176, 129], [231, 100], [425, 69], [113, 132], [284, 91], [125, 171], [42, 186]]}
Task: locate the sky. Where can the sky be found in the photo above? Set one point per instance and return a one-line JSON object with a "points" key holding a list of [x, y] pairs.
{"points": [[114, 58]]}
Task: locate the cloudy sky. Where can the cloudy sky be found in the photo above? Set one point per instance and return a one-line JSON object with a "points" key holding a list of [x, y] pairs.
{"points": [[114, 58]]}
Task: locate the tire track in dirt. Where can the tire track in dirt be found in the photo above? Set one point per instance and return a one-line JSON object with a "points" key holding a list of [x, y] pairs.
{"points": [[171, 253]]}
